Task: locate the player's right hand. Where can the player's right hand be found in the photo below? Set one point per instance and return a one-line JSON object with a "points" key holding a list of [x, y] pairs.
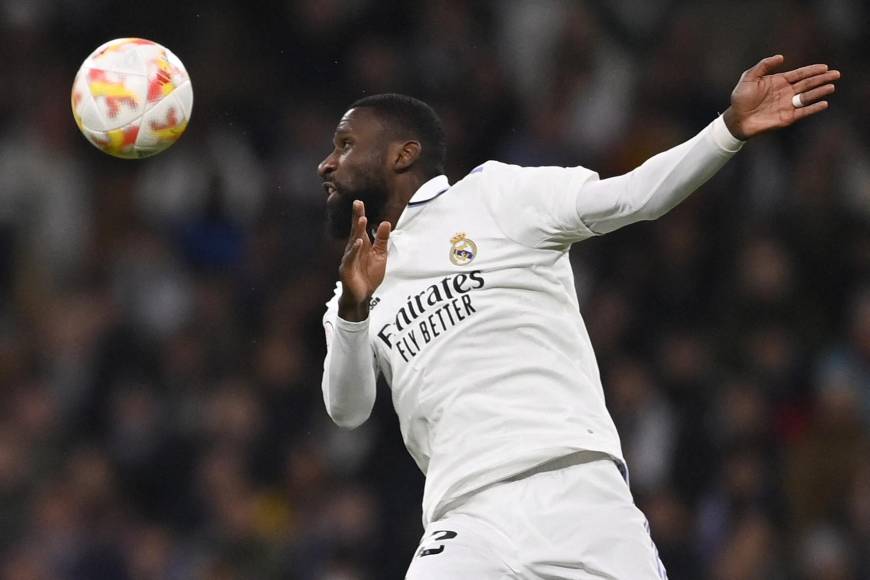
{"points": [[362, 266]]}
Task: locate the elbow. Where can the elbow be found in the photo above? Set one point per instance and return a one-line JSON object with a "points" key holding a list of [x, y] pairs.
{"points": [[648, 214], [632, 211], [642, 210], [346, 419]]}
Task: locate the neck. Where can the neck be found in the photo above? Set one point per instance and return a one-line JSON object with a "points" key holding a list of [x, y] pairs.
{"points": [[403, 188]]}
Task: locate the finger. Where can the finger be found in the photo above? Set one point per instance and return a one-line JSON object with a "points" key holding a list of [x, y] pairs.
{"points": [[804, 72], [361, 224], [815, 81], [358, 209], [357, 229], [814, 95], [382, 237], [765, 66], [354, 214], [805, 112], [361, 234], [351, 253], [359, 213]]}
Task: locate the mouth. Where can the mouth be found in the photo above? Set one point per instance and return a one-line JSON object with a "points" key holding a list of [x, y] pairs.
{"points": [[330, 189]]}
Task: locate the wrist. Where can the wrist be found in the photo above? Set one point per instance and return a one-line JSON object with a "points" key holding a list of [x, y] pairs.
{"points": [[733, 124], [723, 137], [352, 310]]}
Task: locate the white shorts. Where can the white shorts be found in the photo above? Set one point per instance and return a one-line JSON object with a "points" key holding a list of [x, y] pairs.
{"points": [[559, 523]]}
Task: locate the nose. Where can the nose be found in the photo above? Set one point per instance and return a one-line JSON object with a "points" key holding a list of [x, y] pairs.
{"points": [[327, 166]]}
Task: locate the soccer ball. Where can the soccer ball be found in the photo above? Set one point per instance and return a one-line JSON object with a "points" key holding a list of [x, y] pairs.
{"points": [[132, 98]]}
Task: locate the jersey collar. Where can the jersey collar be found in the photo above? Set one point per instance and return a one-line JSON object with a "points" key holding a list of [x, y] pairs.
{"points": [[430, 190]]}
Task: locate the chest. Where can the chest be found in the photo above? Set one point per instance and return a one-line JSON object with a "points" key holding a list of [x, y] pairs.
{"points": [[450, 268]]}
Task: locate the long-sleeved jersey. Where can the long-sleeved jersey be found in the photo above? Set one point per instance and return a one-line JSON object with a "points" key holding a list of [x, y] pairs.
{"points": [[476, 326]]}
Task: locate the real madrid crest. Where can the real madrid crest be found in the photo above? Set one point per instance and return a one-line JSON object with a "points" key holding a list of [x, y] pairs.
{"points": [[462, 249]]}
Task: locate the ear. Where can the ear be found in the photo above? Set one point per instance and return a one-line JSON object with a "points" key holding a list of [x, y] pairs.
{"points": [[404, 155]]}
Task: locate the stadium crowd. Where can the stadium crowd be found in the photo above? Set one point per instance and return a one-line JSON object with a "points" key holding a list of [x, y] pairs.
{"points": [[160, 336]]}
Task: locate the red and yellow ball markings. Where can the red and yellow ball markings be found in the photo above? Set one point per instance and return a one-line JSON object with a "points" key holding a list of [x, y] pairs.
{"points": [[161, 85], [115, 92], [119, 142], [171, 129], [76, 99], [124, 44], [132, 98]]}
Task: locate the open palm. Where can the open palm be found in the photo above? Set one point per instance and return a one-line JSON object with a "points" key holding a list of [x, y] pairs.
{"points": [[763, 99], [363, 265]]}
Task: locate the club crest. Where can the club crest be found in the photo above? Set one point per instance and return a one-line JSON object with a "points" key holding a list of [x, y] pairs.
{"points": [[462, 249]]}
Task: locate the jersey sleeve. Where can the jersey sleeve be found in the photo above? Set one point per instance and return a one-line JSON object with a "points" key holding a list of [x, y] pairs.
{"points": [[557, 206], [535, 206], [349, 368]]}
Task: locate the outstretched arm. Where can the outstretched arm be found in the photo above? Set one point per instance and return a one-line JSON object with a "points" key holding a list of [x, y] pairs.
{"points": [[762, 101], [557, 206]]}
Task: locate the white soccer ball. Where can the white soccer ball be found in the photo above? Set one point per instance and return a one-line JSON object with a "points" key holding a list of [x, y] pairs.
{"points": [[132, 98]]}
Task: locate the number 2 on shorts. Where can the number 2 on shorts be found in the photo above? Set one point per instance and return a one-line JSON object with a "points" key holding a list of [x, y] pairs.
{"points": [[438, 536]]}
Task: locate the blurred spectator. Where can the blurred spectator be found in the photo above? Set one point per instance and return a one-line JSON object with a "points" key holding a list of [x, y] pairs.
{"points": [[825, 555], [751, 552], [847, 365], [858, 519], [646, 424], [824, 462], [672, 530]]}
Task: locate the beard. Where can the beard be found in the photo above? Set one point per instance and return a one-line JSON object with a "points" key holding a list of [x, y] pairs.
{"points": [[372, 191]]}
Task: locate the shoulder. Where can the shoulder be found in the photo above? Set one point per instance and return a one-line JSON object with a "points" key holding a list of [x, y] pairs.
{"points": [[493, 168], [496, 169], [489, 176], [510, 177]]}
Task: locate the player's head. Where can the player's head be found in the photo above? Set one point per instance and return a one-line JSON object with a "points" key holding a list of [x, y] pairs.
{"points": [[378, 139]]}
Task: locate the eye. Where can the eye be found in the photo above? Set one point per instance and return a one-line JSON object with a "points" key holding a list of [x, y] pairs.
{"points": [[345, 144]]}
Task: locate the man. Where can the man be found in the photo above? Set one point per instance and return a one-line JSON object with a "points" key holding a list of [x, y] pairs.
{"points": [[464, 300]]}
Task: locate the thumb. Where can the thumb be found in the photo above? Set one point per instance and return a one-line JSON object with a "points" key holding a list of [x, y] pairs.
{"points": [[764, 67]]}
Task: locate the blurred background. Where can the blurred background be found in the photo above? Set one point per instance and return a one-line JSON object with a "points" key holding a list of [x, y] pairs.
{"points": [[160, 339]]}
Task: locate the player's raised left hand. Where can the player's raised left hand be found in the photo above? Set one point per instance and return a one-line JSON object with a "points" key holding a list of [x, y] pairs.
{"points": [[764, 99]]}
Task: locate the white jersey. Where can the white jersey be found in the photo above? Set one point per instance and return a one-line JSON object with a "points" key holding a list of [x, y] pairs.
{"points": [[476, 326]]}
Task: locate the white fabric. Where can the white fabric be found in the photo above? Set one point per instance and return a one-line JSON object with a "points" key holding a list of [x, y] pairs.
{"points": [[348, 407], [490, 365], [723, 138], [574, 523], [430, 189]]}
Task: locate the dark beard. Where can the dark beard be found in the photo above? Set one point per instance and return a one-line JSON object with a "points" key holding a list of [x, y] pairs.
{"points": [[340, 211]]}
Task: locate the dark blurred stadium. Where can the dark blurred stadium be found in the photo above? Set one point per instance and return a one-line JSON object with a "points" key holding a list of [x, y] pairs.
{"points": [[160, 339]]}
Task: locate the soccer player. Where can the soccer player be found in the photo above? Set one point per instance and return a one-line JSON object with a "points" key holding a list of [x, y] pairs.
{"points": [[462, 297]]}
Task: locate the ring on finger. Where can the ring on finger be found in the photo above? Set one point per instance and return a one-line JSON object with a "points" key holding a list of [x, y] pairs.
{"points": [[796, 101]]}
